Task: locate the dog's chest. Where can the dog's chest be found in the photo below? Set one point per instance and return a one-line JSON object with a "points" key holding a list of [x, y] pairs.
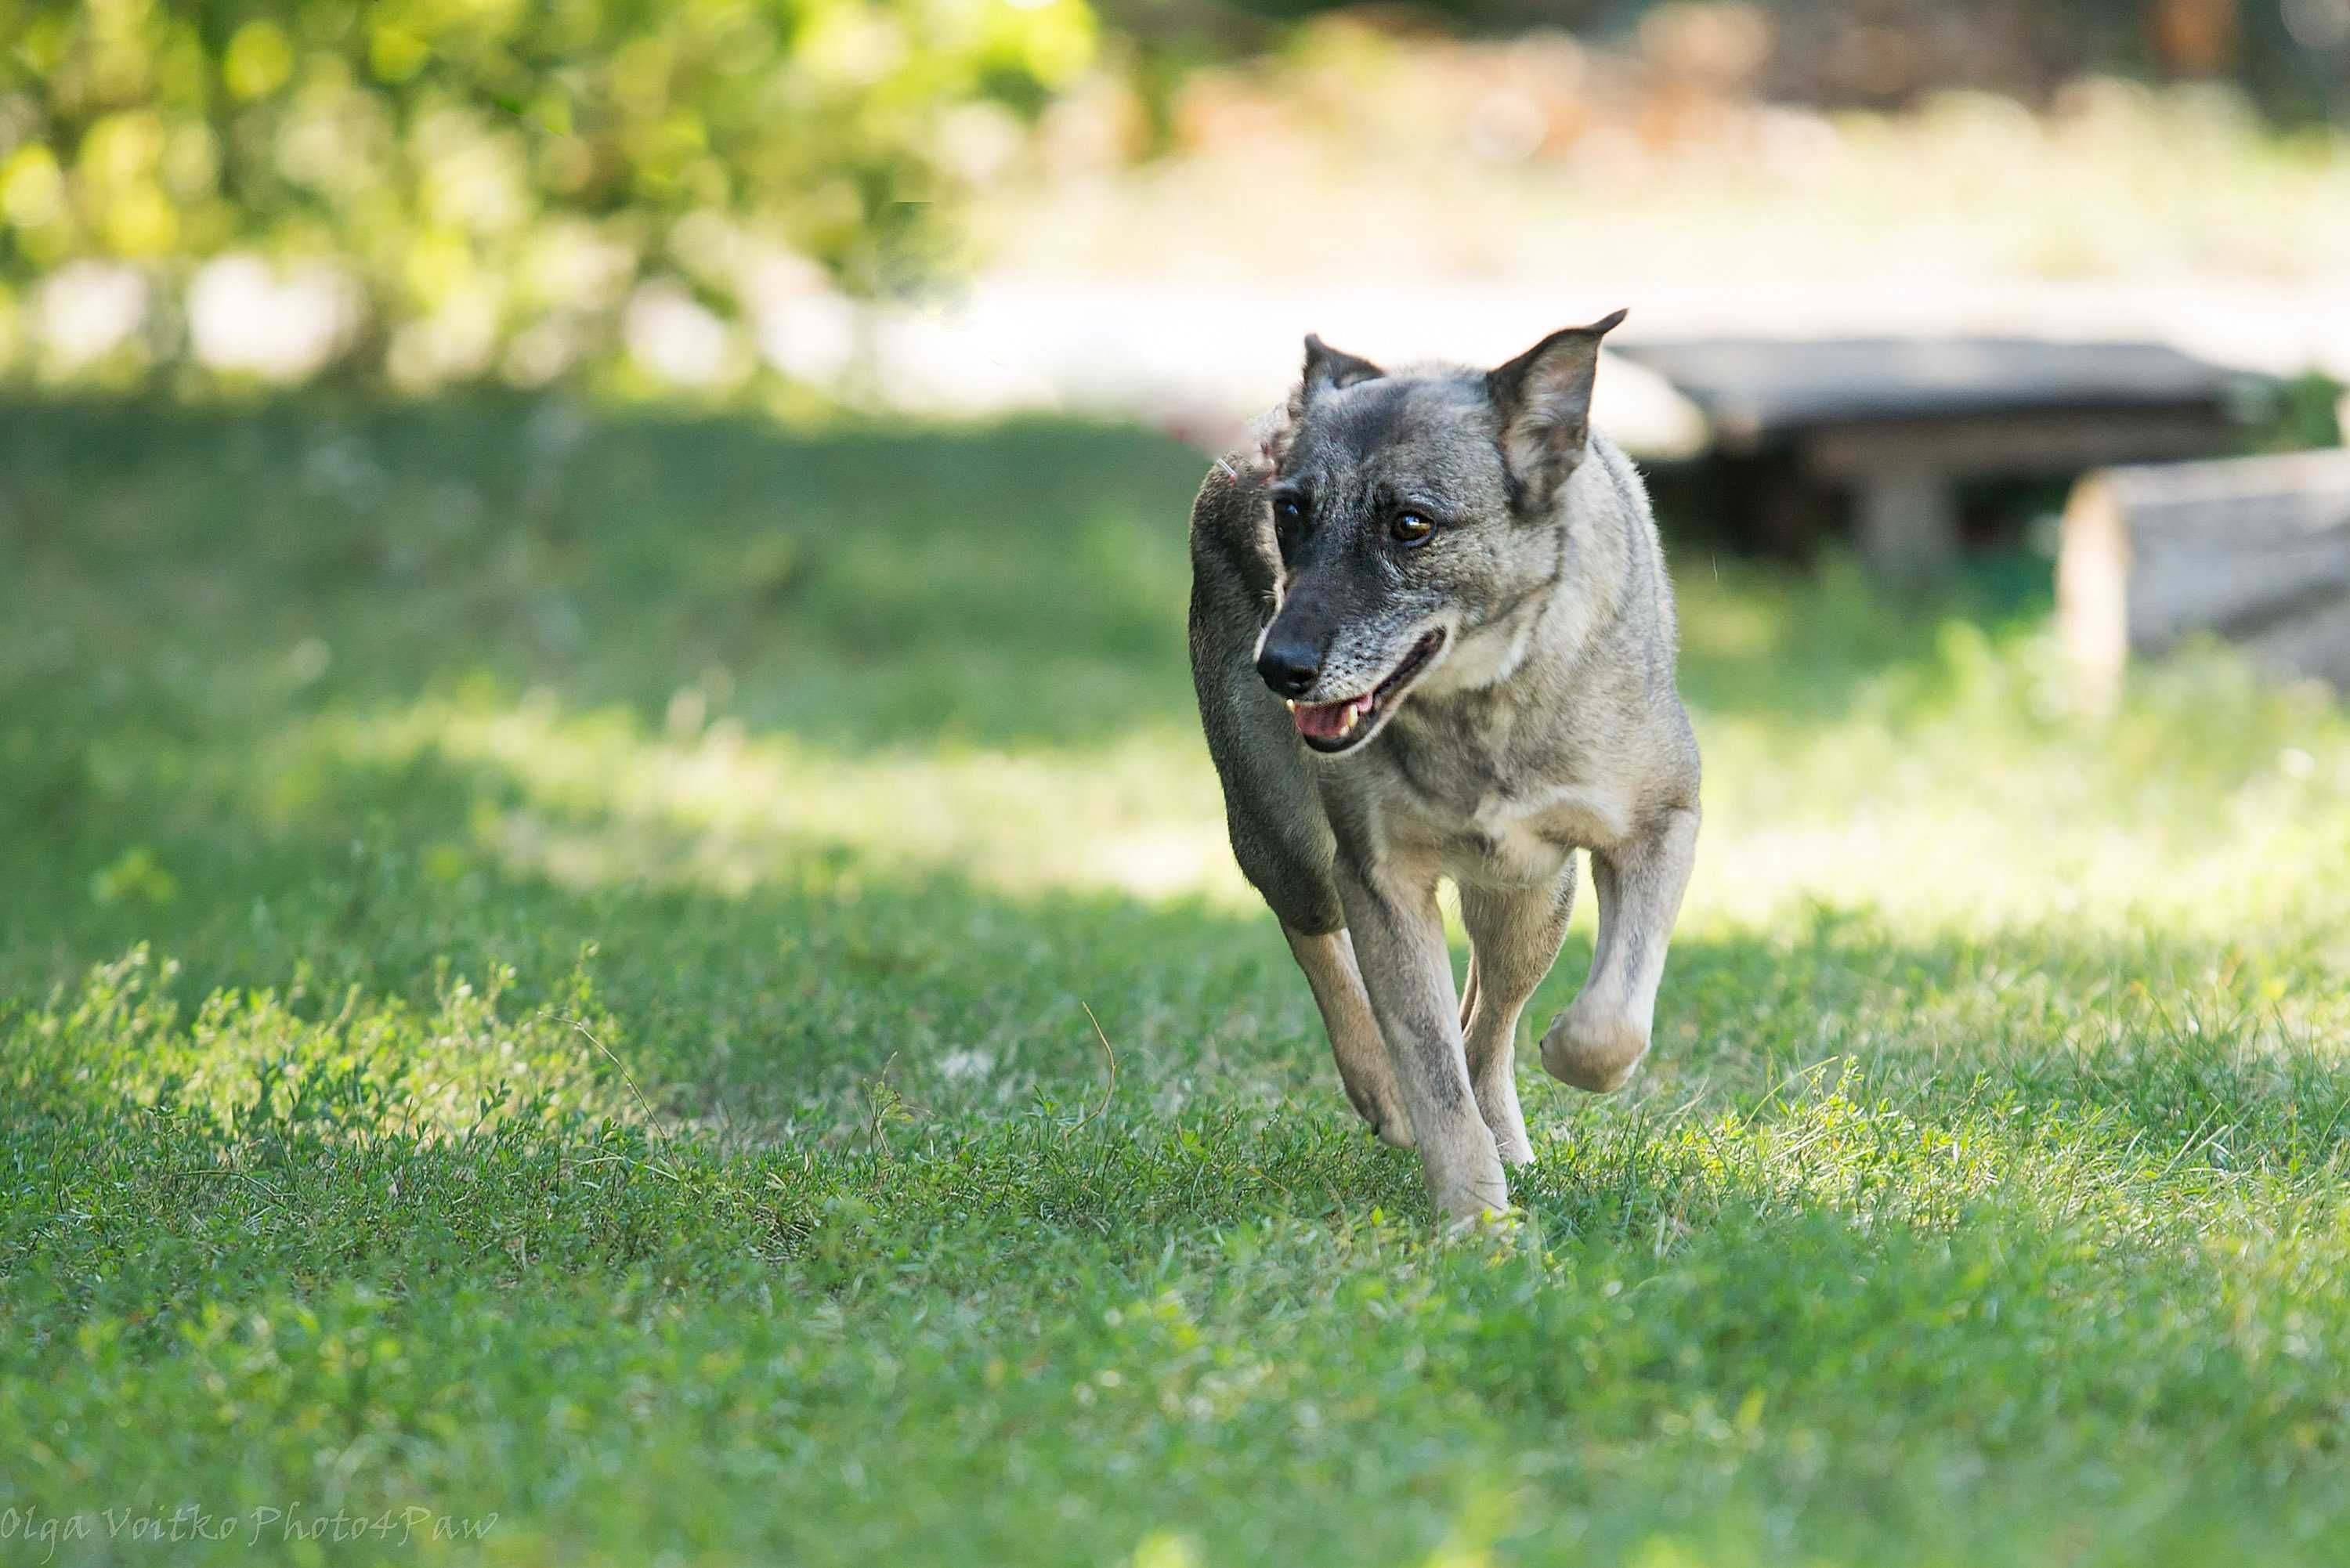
{"points": [[1496, 820], [1508, 841]]}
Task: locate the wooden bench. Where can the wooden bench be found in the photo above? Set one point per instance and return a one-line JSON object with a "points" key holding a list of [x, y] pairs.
{"points": [[1895, 424]]}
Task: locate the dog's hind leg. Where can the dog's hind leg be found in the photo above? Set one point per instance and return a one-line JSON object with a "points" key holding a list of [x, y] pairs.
{"points": [[1601, 1036], [1364, 1067], [1513, 937]]}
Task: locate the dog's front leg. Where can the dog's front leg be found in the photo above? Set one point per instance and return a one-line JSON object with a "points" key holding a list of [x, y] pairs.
{"points": [[1514, 935], [1601, 1036], [1364, 1066], [1399, 943]]}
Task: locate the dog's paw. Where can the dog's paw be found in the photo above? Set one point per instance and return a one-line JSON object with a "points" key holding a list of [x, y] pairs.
{"points": [[1474, 1205], [1385, 1119], [1497, 1103], [1594, 1054], [1512, 1145]]}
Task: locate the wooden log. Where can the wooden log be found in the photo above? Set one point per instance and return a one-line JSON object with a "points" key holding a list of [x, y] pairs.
{"points": [[2252, 550]]}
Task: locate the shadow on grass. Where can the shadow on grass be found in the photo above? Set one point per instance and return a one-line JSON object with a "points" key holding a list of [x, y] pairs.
{"points": [[792, 1009], [1019, 583]]}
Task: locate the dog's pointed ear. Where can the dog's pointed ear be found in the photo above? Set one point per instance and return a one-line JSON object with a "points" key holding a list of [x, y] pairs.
{"points": [[1329, 368], [1543, 398]]}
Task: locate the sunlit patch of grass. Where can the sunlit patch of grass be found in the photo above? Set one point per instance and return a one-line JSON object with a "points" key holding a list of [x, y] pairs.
{"points": [[1964, 791], [602, 798], [1969, 791], [352, 1065]]}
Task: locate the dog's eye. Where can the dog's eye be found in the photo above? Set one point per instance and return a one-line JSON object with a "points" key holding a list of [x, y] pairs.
{"points": [[1287, 510], [1411, 528]]}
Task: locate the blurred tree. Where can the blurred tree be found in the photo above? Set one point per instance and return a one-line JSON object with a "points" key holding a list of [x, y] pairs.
{"points": [[489, 182]]}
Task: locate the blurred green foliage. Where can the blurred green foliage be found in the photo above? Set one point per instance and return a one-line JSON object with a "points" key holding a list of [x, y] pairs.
{"points": [[2308, 414], [487, 167], [461, 190]]}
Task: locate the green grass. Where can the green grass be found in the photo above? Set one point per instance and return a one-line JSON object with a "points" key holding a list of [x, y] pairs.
{"points": [[544, 970]]}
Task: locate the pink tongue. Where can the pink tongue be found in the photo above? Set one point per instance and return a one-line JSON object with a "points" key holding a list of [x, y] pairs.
{"points": [[1322, 722]]}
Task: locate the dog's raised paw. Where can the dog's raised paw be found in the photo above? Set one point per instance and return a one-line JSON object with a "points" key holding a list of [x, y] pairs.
{"points": [[1598, 1057]]}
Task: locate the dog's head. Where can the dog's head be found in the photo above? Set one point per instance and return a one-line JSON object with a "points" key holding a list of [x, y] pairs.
{"points": [[1412, 512]]}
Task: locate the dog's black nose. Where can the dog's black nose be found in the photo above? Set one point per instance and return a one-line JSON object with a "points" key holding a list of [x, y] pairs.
{"points": [[1290, 668]]}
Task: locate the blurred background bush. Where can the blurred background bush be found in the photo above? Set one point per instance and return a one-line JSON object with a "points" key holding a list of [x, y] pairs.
{"points": [[711, 194], [446, 190]]}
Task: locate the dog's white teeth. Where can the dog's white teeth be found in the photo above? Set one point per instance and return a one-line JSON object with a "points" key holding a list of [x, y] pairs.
{"points": [[1290, 703]]}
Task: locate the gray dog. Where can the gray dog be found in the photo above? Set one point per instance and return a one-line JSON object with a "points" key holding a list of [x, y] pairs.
{"points": [[1432, 637]]}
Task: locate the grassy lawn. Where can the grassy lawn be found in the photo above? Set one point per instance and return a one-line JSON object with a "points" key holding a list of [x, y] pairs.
{"points": [[544, 968]]}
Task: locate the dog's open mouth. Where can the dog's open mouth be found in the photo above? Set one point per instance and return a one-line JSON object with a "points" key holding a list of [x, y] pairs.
{"points": [[1332, 727]]}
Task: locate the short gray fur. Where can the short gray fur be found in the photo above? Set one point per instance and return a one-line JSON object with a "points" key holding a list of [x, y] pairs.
{"points": [[1545, 720]]}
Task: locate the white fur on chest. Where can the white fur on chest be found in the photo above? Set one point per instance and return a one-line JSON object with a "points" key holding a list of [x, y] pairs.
{"points": [[1593, 816], [1508, 841]]}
